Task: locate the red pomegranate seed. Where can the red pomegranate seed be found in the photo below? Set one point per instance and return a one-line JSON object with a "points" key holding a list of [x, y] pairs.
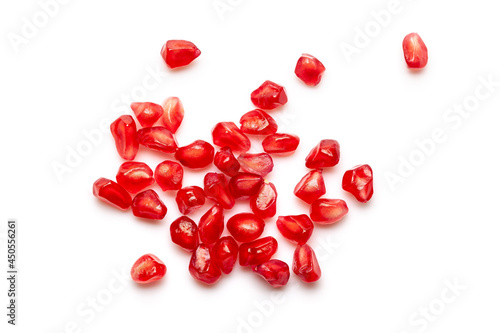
{"points": [[228, 134], [124, 132], [296, 228], [189, 199], [245, 227], [184, 233], [275, 272], [148, 205], [112, 193], [305, 265], [157, 138], [173, 114], [415, 51], [263, 204], [215, 185], [260, 164], [309, 69], [258, 251], [134, 176], [196, 155], [280, 143], [324, 155], [224, 254], [311, 186], [169, 175], [211, 225], [148, 268], [202, 266], [147, 113], [359, 182], [328, 211], [258, 122], [245, 185], [225, 161], [269, 96], [178, 53]]}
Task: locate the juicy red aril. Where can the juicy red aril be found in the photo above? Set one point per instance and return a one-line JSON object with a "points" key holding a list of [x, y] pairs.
{"points": [[173, 114], [157, 138], [258, 122], [260, 164], [224, 254], [305, 265], [184, 233], [245, 185], [169, 175], [124, 132], [269, 96], [311, 186], [112, 193], [148, 205], [275, 272], [359, 182], [134, 176], [296, 228], [225, 161], [309, 69], [263, 204], [178, 53], [215, 185], [211, 225], [324, 155], [245, 227], [196, 155], [147, 113], [148, 268], [258, 251], [415, 51], [280, 143], [228, 134], [189, 199], [327, 211], [202, 266]]}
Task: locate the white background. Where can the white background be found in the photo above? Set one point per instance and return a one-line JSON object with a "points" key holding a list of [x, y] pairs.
{"points": [[385, 261]]}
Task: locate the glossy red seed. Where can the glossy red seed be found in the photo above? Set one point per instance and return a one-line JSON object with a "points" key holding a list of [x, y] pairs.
{"points": [[245, 185], [296, 228], [148, 268], [202, 266], [173, 114], [225, 161], [189, 199], [260, 164], [269, 96], [258, 122], [184, 232], [415, 51], [148, 205], [228, 134], [112, 193], [225, 253], [211, 225], [324, 155], [169, 175], [305, 265], [263, 204], [275, 272], [216, 188], [245, 227], [280, 143], [157, 138], [258, 251], [124, 132], [328, 211], [310, 187], [178, 53], [134, 176], [196, 155], [309, 69], [359, 182], [147, 113]]}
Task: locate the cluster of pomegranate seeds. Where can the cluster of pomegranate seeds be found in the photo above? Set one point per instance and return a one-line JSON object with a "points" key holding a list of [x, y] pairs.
{"points": [[415, 51]]}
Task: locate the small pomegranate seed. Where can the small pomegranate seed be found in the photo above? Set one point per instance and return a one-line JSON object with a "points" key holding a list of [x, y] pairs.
{"points": [[196, 155], [263, 204], [309, 69], [157, 138], [296, 228], [326, 154], [178, 53], [148, 268], [224, 254], [211, 225], [415, 51], [269, 96], [147, 113], [258, 122], [275, 272], [280, 143], [215, 185], [184, 233], [245, 185], [134, 176], [148, 205], [202, 267], [260, 164], [225, 161], [359, 182], [112, 193], [305, 265], [328, 211], [258, 251], [245, 227], [124, 131], [189, 199], [311, 186], [228, 134], [169, 175], [173, 114]]}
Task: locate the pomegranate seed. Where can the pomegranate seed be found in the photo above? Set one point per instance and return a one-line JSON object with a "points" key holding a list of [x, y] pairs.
{"points": [[359, 182], [225, 161], [134, 176], [280, 143], [311, 186], [196, 155], [296, 228], [258, 251], [224, 254], [157, 138], [178, 53], [189, 199], [148, 205], [202, 266], [112, 193], [260, 164], [275, 272], [173, 114], [184, 233], [324, 155], [263, 204], [215, 185], [328, 211], [245, 185], [245, 227], [228, 134], [415, 51], [269, 96], [305, 265], [309, 69], [211, 225], [148, 268], [169, 175], [258, 122], [147, 113], [124, 131]]}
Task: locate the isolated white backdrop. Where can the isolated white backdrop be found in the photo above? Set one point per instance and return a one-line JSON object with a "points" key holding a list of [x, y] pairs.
{"points": [[384, 265]]}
